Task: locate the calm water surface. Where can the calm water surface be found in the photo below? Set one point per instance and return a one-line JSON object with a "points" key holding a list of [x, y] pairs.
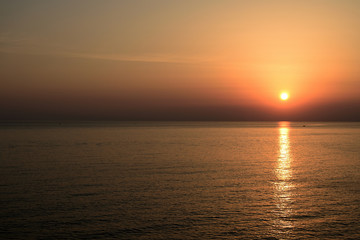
{"points": [[180, 181]]}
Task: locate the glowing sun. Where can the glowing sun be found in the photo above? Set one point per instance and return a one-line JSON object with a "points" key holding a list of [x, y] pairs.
{"points": [[284, 96]]}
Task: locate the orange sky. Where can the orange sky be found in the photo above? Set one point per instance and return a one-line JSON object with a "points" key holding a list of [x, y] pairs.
{"points": [[179, 60]]}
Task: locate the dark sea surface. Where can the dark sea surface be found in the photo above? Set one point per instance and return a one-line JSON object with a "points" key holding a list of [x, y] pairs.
{"points": [[180, 180]]}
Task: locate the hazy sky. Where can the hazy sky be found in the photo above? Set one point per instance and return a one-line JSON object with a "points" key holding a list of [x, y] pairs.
{"points": [[179, 60]]}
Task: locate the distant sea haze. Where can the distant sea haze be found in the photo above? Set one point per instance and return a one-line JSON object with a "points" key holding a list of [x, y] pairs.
{"points": [[72, 109], [180, 180]]}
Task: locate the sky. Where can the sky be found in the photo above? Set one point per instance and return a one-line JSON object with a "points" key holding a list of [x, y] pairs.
{"points": [[179, 60]]}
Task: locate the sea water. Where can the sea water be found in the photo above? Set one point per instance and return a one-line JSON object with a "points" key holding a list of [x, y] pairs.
{"points": [[180, 180]]}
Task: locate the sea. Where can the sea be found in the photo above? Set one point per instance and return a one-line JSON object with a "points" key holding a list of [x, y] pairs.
{"points": [[180, 180]]}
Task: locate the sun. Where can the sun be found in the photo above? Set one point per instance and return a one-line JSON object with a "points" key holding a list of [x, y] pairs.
{"points": [[284, 96]]}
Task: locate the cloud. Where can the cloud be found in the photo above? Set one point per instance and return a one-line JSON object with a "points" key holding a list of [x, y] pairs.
{"points": [[153, 58], [29, 46]]}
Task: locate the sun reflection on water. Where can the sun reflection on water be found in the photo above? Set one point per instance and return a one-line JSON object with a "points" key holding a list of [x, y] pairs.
{"points": [[283, 184]]}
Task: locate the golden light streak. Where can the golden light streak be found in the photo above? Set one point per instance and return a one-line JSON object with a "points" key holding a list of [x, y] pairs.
{"points": [[282, 184]]}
